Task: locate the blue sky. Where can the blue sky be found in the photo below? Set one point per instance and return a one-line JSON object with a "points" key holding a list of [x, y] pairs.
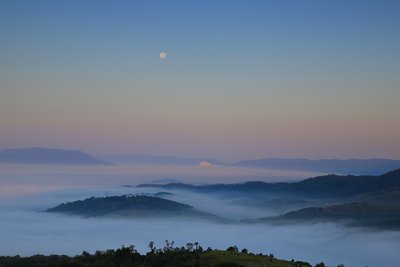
{"points": [[242, 78]]}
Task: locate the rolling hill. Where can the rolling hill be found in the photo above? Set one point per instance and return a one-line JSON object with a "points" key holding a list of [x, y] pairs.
{"points": [[326, 186], [129, 206], [352, 214], [367, 201]]}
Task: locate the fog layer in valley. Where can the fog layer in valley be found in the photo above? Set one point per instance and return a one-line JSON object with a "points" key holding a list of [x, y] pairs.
{"points": [[26, 230], [25, 179]]}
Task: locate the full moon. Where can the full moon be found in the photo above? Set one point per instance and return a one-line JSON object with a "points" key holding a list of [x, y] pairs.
{"points": [[163, 55]]}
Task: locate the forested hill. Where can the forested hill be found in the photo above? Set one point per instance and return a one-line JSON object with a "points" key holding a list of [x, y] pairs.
{"points": [[322, 186], [97, 206], [351, 214], [130, 205], [348, 185]]}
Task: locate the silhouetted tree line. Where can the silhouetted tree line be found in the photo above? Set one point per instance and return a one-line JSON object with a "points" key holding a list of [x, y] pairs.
{"points": [[192, 254]]}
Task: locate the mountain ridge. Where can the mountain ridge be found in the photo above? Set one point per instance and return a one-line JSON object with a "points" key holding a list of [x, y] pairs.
{"points": [[342, 166], [327, 185], [40, 155], [159, 160]]}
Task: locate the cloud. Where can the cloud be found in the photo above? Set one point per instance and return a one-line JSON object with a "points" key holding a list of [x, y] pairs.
{"points": [[205, 164]]}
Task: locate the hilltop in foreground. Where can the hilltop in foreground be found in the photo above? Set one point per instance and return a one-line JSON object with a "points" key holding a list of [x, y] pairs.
{"points": [[191, 255]]}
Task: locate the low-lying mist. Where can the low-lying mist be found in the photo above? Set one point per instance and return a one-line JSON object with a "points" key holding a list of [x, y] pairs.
{"points": [[25, 228], [26, 179]]}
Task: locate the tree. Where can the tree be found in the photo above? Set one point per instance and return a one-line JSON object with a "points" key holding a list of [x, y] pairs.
{"points": [[232, 249], [189, 246], [152, 247], [169, 246], [271, 257]]}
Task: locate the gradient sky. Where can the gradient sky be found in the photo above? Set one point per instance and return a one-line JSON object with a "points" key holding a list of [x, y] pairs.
{"points": [[243, 79]]}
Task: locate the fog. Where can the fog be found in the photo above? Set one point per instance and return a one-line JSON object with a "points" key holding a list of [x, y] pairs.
{"points": [[25, 179], [26, 230]]}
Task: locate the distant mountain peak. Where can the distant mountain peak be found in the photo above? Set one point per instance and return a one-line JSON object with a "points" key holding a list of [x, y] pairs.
{"points": [[40, 155]]}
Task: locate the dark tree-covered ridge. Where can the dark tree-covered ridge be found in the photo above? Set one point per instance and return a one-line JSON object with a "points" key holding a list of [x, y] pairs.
{"points": [[96, 206], [321, 186], [136, 206], [169, 256]]}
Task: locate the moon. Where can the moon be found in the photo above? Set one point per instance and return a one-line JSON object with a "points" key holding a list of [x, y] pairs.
{"points": [[163, 55]]}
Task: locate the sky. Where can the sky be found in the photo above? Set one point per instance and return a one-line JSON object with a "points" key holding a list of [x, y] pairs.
{"points": [[242, 79]]}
